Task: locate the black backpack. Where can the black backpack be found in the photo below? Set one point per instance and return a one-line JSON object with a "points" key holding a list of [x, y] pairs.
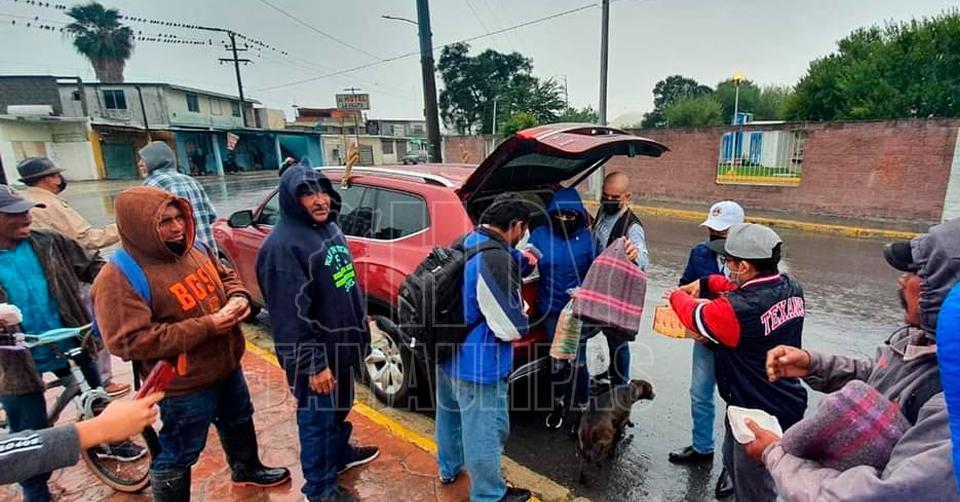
{"points": [[430, 305]]}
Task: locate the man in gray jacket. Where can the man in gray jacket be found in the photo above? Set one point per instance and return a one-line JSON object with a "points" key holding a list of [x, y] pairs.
{"points": [[905, 371]]}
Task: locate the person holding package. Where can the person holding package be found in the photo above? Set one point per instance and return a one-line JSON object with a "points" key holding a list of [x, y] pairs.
{"points": [[905, 371], [755, 310], [193, 315]]}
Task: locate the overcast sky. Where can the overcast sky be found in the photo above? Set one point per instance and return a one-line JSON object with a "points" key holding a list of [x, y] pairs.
{"points": [[769, 41]]}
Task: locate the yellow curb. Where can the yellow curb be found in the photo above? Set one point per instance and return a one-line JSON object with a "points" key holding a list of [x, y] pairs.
{"points": [[821, 228], [396, 428]]}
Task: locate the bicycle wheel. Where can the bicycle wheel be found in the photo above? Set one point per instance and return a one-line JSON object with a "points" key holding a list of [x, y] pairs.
{"points": [[123, 466]]}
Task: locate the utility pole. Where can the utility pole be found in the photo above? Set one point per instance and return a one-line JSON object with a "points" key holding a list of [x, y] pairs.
{"points": [[429, 80], [236, 66], [597, 182], [356, 117], [604, 42]]}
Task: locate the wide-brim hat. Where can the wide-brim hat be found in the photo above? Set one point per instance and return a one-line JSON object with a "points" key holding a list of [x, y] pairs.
{"points": [[33, 168]]}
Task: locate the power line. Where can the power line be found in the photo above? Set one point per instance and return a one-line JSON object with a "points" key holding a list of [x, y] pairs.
{"points": [[479, 20], [318, 31], [416, 53]]}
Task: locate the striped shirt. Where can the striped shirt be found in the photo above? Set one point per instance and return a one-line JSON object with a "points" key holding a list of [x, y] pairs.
{"points": [[184, 186]]}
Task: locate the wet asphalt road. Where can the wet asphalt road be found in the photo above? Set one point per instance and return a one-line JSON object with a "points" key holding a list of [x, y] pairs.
{"points": [[851, 307]]}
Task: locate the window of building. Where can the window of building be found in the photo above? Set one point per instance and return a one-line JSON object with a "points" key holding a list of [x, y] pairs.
{"points": [[387, 146], [235, 108], [193, 103], [216, 107], [767, 157], [399, 215], [417, 129], [114, 100]]}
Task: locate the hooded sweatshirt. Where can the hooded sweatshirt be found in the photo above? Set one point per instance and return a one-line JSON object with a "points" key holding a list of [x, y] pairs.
{"points": [[564, 261], [186, 289], [162, 174], [920, 466], [310, 286]]}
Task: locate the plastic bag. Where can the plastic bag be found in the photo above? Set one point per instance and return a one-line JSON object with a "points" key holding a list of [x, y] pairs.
{"points": [[566, 338], [737, 417]]}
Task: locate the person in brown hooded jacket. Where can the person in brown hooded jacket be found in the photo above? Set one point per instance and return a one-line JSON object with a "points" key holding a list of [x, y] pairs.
{"points": [[192, 317]]}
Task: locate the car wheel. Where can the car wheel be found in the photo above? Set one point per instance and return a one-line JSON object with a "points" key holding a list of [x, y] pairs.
{"points": [[389, 368]]}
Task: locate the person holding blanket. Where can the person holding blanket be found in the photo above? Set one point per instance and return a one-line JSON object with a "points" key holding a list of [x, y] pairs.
{"points": [[566, 251]]}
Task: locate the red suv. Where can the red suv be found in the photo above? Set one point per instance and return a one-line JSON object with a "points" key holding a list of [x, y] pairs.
{"points": [[394, 216]]}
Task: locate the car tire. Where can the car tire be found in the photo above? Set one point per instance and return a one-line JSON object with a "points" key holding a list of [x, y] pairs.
{"points": [[390, 369]]}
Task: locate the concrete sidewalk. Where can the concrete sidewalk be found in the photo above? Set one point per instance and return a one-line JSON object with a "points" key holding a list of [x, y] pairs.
{"points": [[404, 470]]}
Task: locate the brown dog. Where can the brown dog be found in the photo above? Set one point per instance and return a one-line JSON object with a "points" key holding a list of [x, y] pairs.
{"points": [[603, 424]]}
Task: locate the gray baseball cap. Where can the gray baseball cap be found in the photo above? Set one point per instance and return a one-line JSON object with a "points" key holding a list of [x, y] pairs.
{"points": [[12, 203], [749, 241]]}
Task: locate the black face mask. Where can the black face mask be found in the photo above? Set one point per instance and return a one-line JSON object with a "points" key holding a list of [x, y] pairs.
{"points": [[178, 248], [565, 228], [63, 185], [610, 206]]}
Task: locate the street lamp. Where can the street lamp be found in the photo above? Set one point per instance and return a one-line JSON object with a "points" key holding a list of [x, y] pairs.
{"points": [[737, 80], [398, 18]]}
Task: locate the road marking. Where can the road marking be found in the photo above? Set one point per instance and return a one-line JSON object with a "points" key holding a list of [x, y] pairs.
{"points": [[820, 228], [396, 428]]}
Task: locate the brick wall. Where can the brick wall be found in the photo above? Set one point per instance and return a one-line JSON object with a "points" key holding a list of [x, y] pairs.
{"points": [[476, 147], [29, 91], [891, 170]]}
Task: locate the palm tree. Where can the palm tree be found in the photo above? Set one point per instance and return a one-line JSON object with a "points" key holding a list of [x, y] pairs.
{"points": [[99, 36]]}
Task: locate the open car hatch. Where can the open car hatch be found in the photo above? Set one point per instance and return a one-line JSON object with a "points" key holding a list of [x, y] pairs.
{"points": [[552, 154]]}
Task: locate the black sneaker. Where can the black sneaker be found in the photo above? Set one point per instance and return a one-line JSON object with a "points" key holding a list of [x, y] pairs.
{"points": [[361, 455], [339, 494], [688, 455], [124, 451], [516, 495], [449, 481]]}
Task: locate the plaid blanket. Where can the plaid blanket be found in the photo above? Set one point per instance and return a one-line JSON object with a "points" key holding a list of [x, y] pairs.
{"points": [[855, 425], [612, 293]]}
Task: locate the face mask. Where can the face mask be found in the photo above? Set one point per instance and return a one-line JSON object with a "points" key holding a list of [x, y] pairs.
{"points": [[178, 248], [565, 228], [732, 276], [63, 185], [716, 237], [610, 206]]}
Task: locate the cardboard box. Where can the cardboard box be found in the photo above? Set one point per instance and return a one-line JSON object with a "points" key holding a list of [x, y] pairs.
{"points": [[666, 323]]}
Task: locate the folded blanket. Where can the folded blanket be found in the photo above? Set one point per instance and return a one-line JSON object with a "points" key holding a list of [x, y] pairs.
{"points": [[612, 293], [855, 425]]}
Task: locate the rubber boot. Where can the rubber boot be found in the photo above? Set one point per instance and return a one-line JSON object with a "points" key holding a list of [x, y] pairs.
{"points": [[240, 446], [171, 485]]}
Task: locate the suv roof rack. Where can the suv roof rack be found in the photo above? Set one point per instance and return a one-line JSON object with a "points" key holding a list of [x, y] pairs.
{"points": [[429, 178]]}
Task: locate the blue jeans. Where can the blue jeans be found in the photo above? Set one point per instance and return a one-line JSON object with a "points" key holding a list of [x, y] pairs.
{"points": [[187, 419], [29, 412], [324, 431], [567, 385], [702, 409], [472, 428], [619, 360]]}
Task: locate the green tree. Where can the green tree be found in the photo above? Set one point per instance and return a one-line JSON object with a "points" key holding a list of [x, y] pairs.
{"points": [[474, 85], [726, 95], [99, 37], [900, 70], [517, 122], [668, 91], [771, 103], [586, 114], [694, 111]]}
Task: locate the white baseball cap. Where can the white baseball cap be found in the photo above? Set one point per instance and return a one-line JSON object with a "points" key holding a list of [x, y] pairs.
{"points": [[723, 215]]}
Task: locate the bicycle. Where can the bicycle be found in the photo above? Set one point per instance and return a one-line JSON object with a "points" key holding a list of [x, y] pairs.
{"points": [[124, 466]]}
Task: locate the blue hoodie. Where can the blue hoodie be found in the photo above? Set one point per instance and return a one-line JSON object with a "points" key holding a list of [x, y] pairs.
{"points": [[306, 274], [565, 262], [492, 302]]}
